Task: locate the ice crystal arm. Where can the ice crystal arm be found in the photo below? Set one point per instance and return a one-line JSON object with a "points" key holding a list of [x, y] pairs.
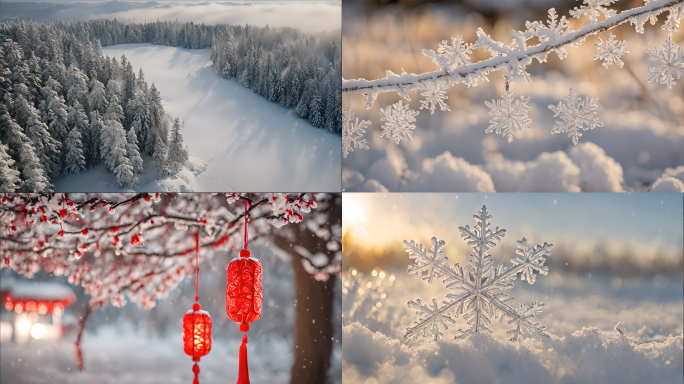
{"points": [[610, 51], [524, 328], [352, 132], [431, 318], [427, 263]]}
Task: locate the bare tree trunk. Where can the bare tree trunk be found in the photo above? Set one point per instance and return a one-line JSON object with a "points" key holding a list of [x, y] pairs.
{"points": [[314, 305], [77, 343]]}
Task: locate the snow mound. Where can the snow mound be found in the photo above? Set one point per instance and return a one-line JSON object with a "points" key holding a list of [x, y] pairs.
{"points": [[667, 184], [585, 356], [599, 172], [446, 173]]}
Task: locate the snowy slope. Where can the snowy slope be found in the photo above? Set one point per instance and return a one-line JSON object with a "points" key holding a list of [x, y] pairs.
{"points": [[237, 139]]}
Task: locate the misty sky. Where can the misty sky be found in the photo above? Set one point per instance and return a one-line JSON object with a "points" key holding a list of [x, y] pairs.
{"points": [[581, 217], [310, 16]]}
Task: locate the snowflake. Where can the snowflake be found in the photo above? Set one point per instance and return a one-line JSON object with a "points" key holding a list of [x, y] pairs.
{"points": [[577, 114], [478, 287], [668, 63], [398, 119], [552, 33], [509, 115], [610, 51], [435, 96], [451, 56], [593, 8], [352, 132]]}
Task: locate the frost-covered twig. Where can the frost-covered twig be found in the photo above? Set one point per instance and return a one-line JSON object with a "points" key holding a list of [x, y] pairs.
{"points": [[515, 57]]}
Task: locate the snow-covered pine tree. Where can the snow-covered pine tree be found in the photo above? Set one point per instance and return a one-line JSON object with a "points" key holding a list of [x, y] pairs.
{"points": [[74, 161], [178, 153], [155, 107], [133, 152], [97, 98], [124, 175], [76, 86], [128, 79], [160, 157], [113, 144], [9, 177], [91, 139], [315, 116], [58, 117]]}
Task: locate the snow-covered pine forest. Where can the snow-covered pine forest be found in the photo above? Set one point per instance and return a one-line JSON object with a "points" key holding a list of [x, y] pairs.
{"points": [[65, 107], [284, 65]]}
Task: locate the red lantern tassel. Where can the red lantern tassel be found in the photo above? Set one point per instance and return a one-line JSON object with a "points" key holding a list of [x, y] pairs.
{"points": [[195, 369], [243, 375]]}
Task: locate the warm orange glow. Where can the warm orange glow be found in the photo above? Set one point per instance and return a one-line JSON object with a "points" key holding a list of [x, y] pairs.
{"points": [[42, 308], [57, 310], [31, 306], [9, 306], [18, 308]]}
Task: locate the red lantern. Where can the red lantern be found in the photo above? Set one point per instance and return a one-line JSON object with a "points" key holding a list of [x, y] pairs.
{"points": [[196, 326], [244, 297]]}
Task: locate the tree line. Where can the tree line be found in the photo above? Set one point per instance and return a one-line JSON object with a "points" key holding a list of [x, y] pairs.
{"points": [[65, 107]]}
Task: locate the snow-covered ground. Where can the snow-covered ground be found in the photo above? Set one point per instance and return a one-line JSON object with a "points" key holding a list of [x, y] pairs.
{"points": [[237, 139]]}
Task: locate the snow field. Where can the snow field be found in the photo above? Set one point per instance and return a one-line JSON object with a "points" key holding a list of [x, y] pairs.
{"points": [[237, 140]]}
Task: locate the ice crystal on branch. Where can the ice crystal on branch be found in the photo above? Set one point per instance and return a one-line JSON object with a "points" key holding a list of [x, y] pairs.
{"points": [[593, 8], [352, 132], [610, 51], [451, 56], [509, 115], [435, 94], [478, 288], [669, 63], [552, 33], [398, 118], [575, 115]]}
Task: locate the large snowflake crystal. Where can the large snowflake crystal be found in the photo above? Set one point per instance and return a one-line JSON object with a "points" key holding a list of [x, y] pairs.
{"points": [[352, 132], [398, 118], [575, 115], [593, 8], [435, 94], [552, 33], [509, 115], [668, 63], [451, 56], [478, 288], [610, 51]]}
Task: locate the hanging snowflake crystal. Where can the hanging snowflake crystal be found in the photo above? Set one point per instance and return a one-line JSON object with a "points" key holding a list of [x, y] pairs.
{"points": [[435, 94], [352, 132], [478, 287], [669, 63], [575, 115], [398, 118], [509, 115], [610, 51]]}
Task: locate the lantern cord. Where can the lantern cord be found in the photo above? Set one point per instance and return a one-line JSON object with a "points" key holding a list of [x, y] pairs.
{"points": [[197, 249], [243, 375], [246, 214]]}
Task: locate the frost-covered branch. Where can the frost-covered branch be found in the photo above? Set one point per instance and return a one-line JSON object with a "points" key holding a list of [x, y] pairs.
{"points": [[514, 58]]}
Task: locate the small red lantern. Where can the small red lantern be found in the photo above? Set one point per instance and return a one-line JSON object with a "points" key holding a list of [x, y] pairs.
{"points": [[244, 297], [196, 326]]}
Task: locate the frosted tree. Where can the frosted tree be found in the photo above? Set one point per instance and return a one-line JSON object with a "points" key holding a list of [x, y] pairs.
{"points": [[477, 289], [156, 120], [535, 42], [9, 177], [133, 152], [74, 161], [160, 157], [44, 146], [76, 86], [315, 116], [178, 153], [124, 175], [59, 119], [33, 176], [91, 138], [144, 254], [97, 98]]}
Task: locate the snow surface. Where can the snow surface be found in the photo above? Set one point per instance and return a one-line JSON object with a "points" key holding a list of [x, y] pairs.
{"points": [[237, 139]]}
